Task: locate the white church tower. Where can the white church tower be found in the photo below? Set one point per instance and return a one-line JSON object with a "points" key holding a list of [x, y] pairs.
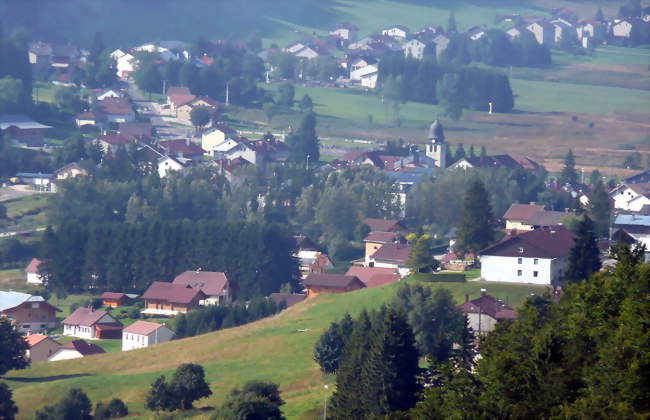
{"points": [[437, 148]]}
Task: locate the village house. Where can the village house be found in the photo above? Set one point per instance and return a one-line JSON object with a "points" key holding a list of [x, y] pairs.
{"points": [[141, 131], [537, 257], [116, 110], [532, 216], [485, 312], [23, 131], [442, 42], [111, 142], [92, 324], [374, 276], [69, 171], [216, 136], [391, 255], [396, 32], [234, 148], [385, 225], [182, 149], [345, 31], [101, 94], [543, 31], [509, 160], [143, 334], [317, 283], [621, 28], [288, 299], [85, 119], [41, 347], [375, 240], [640, 178], [41, 182], [513, 33], [169, 164], [631, 196], [453, 261], [414, 49], [126, 63], [214, 284], [169, 299], [632, 229], [114, 299], [33, 276], [74, 350], [183, 111], [30, 314]]}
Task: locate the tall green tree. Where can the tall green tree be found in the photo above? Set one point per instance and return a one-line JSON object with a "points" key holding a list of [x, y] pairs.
{"points": [[75, 405], [584, 257], [569, 174], [475, 230], [420, 258], [451, 23], [200, 116], [13, 347], [600, 17], [189, 385], [450, 96], [600, 208], [286, 94], [8, 409], [459, 153], [304, 141]]}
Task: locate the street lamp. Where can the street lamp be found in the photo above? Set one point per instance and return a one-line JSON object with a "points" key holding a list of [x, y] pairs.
{"points": [[308, 156], [325, 402]]}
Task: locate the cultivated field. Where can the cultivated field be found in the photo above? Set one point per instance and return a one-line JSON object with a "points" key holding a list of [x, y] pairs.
{"points": [[276, 349]]}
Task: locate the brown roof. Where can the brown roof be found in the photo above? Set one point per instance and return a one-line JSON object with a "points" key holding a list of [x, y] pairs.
{"points": [[179, 99], [178, 90], [135, 129], [84, 348], [522, 211], [115, 139], [331, 281], [212, 283], [85, 316], [290, 298], [383, 225], [490, 306], [116, 106], [397, 253], [551, 242], [112, 296], [172, 293], [380, 237], [303, 243], [370, 276], [33, 265], [142, 327], [34, 339], [183, 146]]}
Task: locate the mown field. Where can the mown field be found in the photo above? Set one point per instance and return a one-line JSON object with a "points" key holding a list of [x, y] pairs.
{"points": [[271, 349]]}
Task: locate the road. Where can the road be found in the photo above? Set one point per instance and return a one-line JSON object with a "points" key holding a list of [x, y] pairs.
{"points": [[17, 191]]}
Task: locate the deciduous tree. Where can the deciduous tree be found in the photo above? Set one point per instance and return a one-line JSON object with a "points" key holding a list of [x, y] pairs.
{"points": [[13, 347]]}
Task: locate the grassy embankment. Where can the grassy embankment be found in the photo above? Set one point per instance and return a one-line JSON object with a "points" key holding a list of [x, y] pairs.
{"points": [[270, 349]]}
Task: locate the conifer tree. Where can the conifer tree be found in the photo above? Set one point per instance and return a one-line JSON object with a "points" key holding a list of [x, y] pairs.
{"points": [[472, 152], [475, 231], [584, 257], [600, 209], [420, 258], [599, 15], [328, 349], [8, 408], [451, 23], [569, 174], [460, 152], [483, 152]]}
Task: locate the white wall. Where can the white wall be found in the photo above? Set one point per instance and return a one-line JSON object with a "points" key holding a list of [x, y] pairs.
{"points": [[64, 354], [137, 341], [505, 269], [34, 278], [626, 199], [483, 323], [79, 331]]}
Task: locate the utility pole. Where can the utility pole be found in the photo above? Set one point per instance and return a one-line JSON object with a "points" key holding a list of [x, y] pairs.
{"points": [[227, 94], [325, 405]]}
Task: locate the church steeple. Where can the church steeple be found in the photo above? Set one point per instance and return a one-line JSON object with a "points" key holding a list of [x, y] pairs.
{"points": [[437, 148], [436, 132]]}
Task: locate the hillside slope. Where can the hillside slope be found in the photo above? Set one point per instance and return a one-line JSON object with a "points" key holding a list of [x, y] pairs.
{"points": [[271, 349]]}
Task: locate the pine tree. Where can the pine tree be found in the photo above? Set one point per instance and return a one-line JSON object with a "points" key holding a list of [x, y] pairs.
{"points": [[460, 153], [390, 374], [483, 152], [569, 174], [328, 349], [472, 152], [600, 209], [420, 258], [8, 408], [475, 231], [465, 351], [584, 257], [599, 15], [451, 23]]}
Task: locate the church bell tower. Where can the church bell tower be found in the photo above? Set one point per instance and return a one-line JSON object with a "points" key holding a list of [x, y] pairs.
{"points": [[437, 147]]}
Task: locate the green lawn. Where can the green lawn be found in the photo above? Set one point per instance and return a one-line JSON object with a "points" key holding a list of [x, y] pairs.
{"points": [[272, 349], [43, 91], [608, 55]]}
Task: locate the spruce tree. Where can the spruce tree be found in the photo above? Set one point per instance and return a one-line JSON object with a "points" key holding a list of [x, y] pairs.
{"points": [[420, 258], [451, 23], [584, 257], [328, 349], [599, 15], [600, 209], [569, 174], [472, 152], [390, 374], [483, 152], [460, 152], [475, 231]]}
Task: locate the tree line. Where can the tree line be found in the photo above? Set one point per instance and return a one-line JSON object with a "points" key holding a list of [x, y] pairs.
{"points": [[256, 256]]}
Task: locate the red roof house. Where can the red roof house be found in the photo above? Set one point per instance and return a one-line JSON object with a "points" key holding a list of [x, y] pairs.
{"points": [[74, 350], [92, 324], [214, 284], [113, 299], [483, 313], [171, 298], [375, 276], [317, 283]]}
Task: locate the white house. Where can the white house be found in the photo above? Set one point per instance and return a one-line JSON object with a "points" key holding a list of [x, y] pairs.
{"points": [[543, 31], [536, 257], [441, 42], [345, 31], [109, 93], [621, 28], [631, 197], [91, 324], [391, 255], [414, 49], [168, 164], [513, 33], [215, 137], [142, 334], [357, 73], [485, 312], [308, 53], [75, 350], [397, 32], [233, 149], [369, 80], [294, 48], [33, 277], [126, 63]]}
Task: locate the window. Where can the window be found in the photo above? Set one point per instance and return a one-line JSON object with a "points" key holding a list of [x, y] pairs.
{"points": [[519, 273], [520, 250], [535, 261], [534, 273], [520, 260]]}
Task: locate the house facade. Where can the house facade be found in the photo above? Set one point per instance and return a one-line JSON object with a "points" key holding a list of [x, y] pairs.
{"points": [[169, 299], [92, 324], [31, 271], [30, 314], [631, 197], [536, 257], [531, 216], [143, 334], [376, 240], [113, 300], [317, 283], [74, 350], [41, 347], [391, 255], [485, 312], [214, 284]]}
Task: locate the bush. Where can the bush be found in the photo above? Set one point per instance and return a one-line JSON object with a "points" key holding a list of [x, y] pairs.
{"points": [[448, 278], [134, 313]]}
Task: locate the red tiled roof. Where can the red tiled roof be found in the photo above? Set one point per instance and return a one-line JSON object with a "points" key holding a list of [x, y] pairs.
{"points": [[33, 265], [331, 281], [172, 293], [83, 348], [490, 306], [522, 211], [290, 298], [182, 146], [142, 327], [84, 316], [550, 242], [452, 256], [115, 139], [382, 280], [179, 99], [112, 296], [175, 90], [208, 61], [135, 129], [380, 237], [115, 106], [34, 339], [382, 225], [212, 283], [396, 253], [374, 276]]}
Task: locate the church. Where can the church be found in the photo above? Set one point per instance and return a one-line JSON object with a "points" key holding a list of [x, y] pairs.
{"points": [[436, 148]]}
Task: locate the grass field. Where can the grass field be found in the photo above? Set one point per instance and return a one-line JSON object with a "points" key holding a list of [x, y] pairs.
{"points": [[26, 212], [269, 349]]}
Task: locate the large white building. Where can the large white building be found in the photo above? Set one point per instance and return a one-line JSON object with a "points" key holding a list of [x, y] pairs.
{"points": [[536, 257], [143, 334], [631, 197]]}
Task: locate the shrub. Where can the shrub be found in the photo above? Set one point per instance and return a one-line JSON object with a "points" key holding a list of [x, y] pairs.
{"points": [[134, 313]]}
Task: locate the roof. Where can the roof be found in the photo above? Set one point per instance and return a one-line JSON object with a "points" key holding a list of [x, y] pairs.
{"points": [[115, 139], [490, 306], [10, 300], [522, 211], [290, 298], [303, 243], [452, 256], [548, 218], [85, 316], [212, 283], [331, 281], [142, 327], [638, 178], [34, 339], [33, 265], [179, 99], [135, 129], [374, 276], [170, 292], [383, 225], [178, 90], [183, 146], [83, 348], [396, 253], [115, 106], [112, 296], [86, 116], [550, 242], [380, 237], [22, 122], [632, 220]]}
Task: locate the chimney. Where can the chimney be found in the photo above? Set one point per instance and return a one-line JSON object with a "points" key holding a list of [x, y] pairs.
{"points": [[483, 292], [466, 297]]}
